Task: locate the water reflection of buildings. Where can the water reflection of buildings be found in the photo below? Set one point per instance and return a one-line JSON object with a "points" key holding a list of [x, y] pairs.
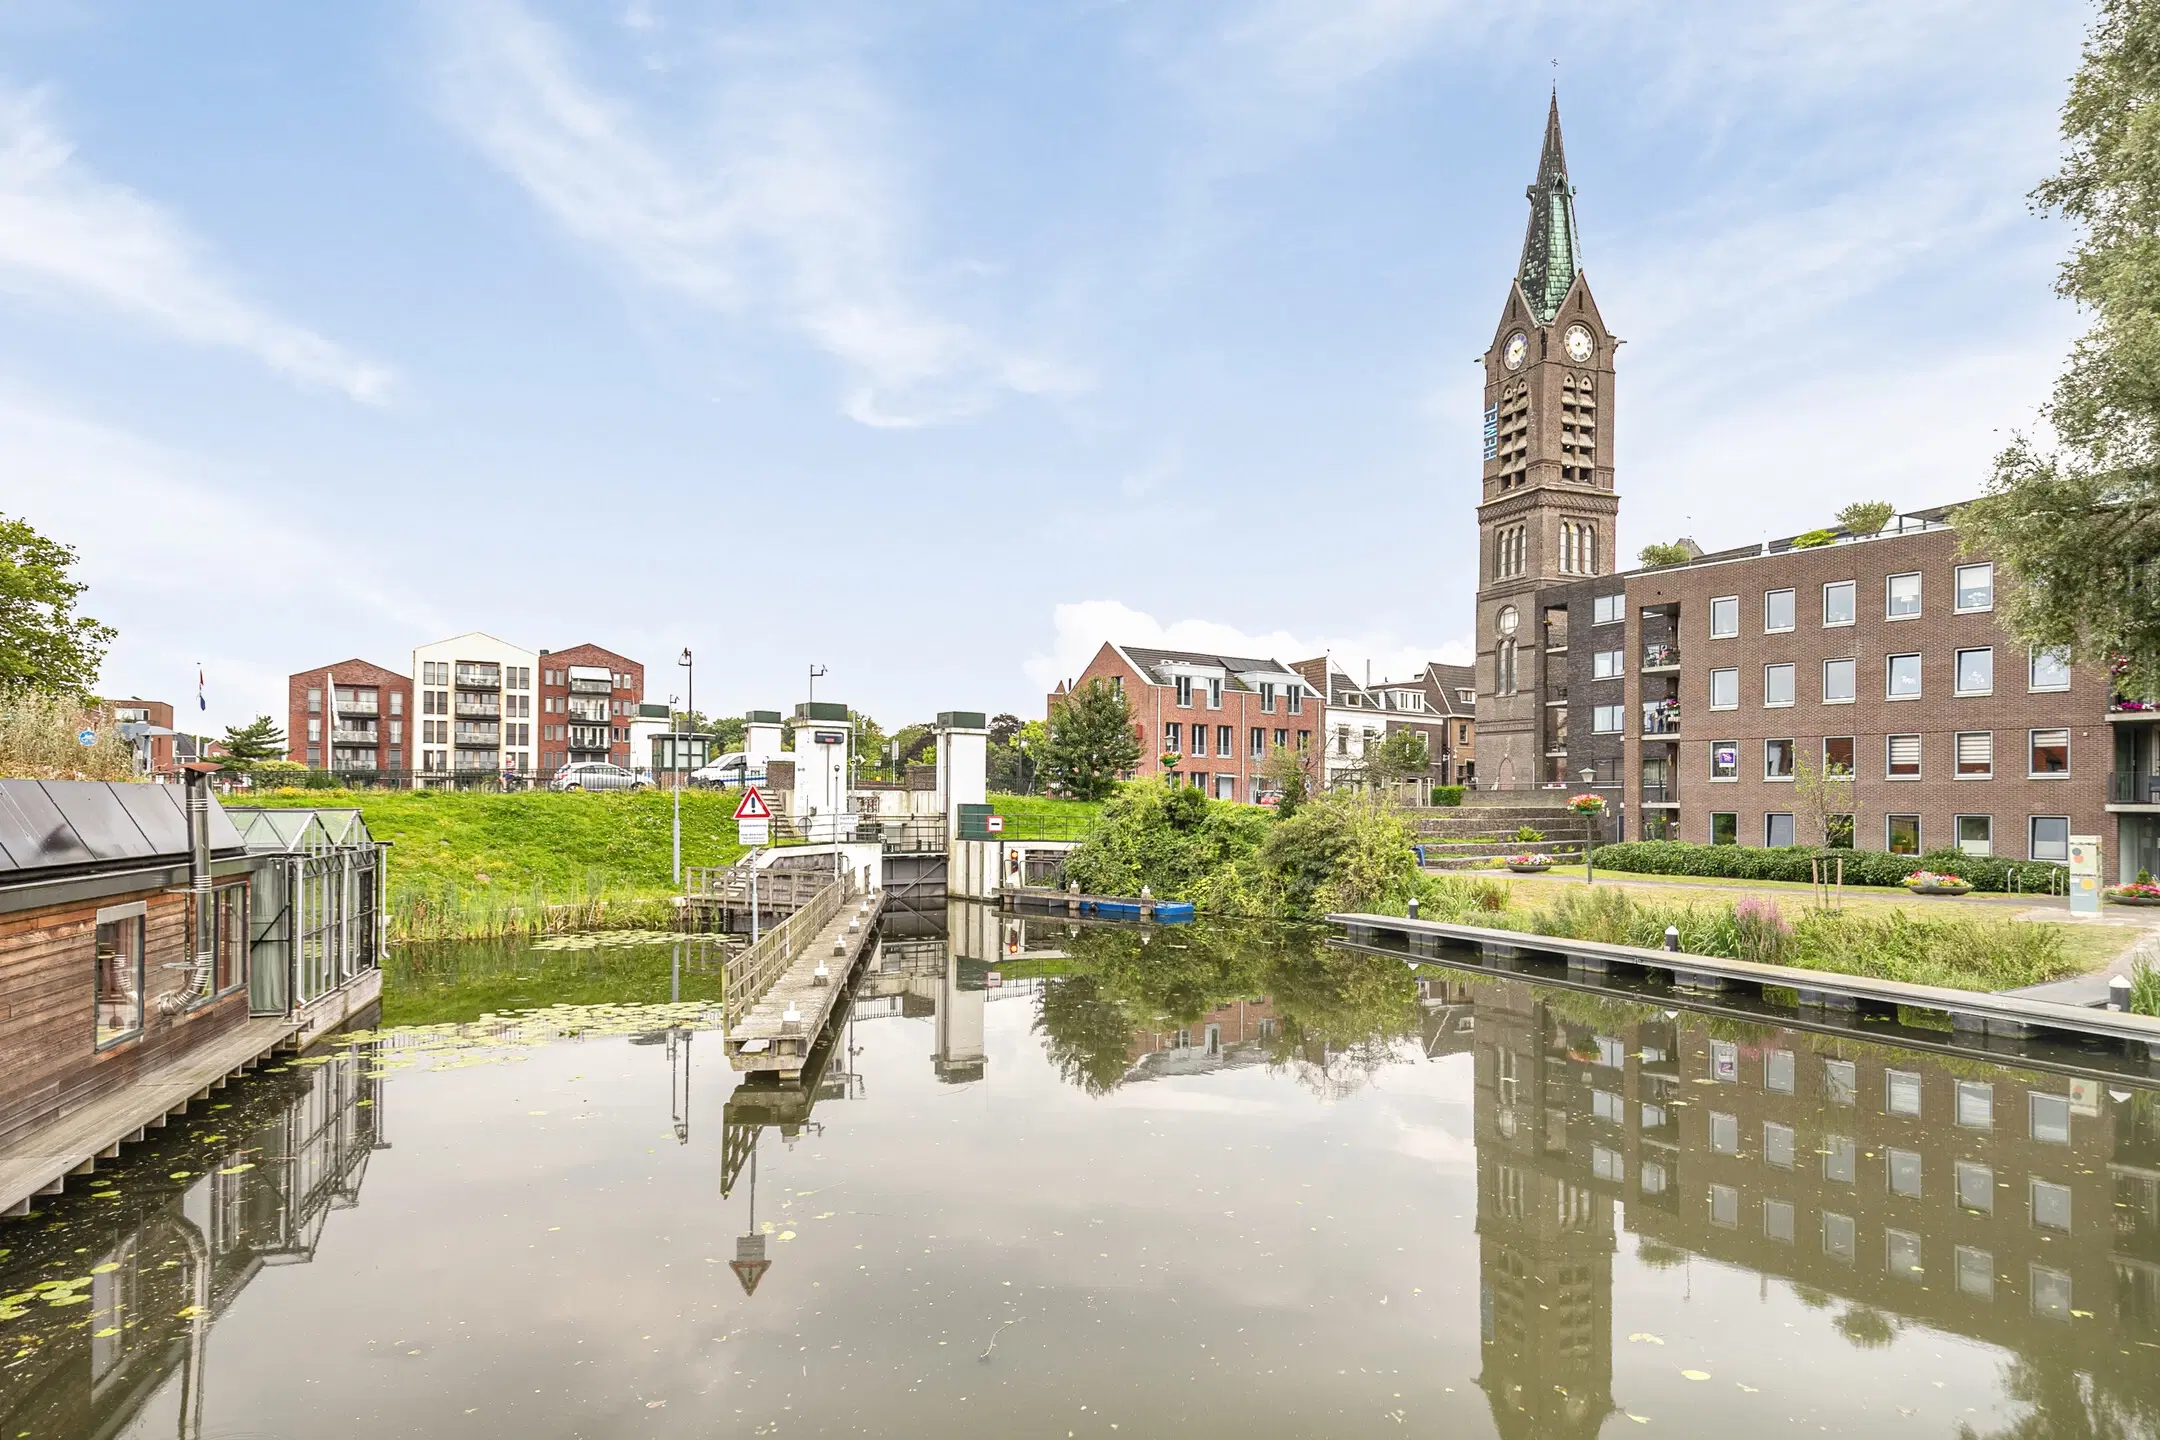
{"points": [[163, 1273], [1998, 1204]]}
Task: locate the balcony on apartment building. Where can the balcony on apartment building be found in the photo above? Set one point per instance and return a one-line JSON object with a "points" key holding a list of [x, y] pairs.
{"points": [[1661, 717], [478, 707], [354, 760], [590, 737], [477, 762], [594, 685], [1658, 789], [2133, 787], [478, 677], [478, 736], [351, 702], [353, 735], [1659, 656], [584, 707]]}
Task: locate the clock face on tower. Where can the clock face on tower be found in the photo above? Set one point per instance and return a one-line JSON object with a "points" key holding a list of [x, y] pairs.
{"points": [[1579, 344], [1518, 347]]}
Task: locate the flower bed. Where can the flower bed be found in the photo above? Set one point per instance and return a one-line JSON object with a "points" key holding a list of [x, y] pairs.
{"points": [[2138, 892], [1930, 882], [1528, 864]]}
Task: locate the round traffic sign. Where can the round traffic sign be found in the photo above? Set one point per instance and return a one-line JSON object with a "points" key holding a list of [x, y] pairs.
{"points": [[86, 738]]}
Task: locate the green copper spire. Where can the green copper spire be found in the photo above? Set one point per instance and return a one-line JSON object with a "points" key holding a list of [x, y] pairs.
{"points": [[1552, 249]]}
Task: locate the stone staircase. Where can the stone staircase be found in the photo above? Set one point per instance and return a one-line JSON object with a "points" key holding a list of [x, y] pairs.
{"points": [[1459, 837]]}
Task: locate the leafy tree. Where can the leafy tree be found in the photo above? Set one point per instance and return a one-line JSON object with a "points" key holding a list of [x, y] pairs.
{"points": [[1014, 746], [1866, 517], [2077, 527], [869, 742], [1665, 552], [1827, 799], [1289, 774], [1004, 728], [1091, 743], [44, 644], [1394, 758], [258, 740]]}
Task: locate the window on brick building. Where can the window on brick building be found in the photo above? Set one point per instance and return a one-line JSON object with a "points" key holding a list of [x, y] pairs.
{"points": [[1976, 671], [1724, 617], [1777, 683], [1173, 737], [1777, 611], [1838, 754], [1901, 597], [1901, 677], [1259, 742], [2048, 837], [2050, 752], [1975, 587], [1777, 829], [1837, 603], [1901, 834], [1267, 697], [1724, 689], [1901, 757], [1839, 681], [1724, 827], [1976, 834], [314, 702], [1199, 740], [1975, 754], [1724, 759], [1226, 740], [1778, 759], [2048, 670]]}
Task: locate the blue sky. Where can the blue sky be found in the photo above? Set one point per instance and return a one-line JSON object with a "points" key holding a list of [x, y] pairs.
{"points": [[936, 343]]}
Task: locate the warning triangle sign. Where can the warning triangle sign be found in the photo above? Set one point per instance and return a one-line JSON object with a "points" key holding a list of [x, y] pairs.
{"points": [[752, 806], [749, 1272]]}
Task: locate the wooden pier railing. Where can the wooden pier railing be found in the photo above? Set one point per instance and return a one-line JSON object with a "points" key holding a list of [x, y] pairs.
{"points": [[752, 973]]}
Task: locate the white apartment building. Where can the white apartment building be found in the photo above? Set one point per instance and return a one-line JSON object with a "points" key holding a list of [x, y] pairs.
{"points": [[475, 698]]}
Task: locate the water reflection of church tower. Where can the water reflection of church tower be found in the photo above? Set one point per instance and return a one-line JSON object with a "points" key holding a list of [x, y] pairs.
{"points": [[1545, 1241]]}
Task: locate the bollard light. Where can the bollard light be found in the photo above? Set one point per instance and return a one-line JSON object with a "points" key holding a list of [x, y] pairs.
{"points": [[821, 975], [1672, 937], [1413, 907], [2119, 993]]}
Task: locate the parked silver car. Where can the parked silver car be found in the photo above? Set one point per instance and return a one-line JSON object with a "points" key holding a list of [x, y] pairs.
{"points": [[598, 775]]}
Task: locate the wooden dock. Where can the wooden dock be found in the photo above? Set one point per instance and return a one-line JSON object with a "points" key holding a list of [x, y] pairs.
{"points": [[40, 1163], [780, 972]]}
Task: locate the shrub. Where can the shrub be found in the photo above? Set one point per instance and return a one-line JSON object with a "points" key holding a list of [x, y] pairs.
{"points": [[1813, 539], [1792, 863], [1866, 517], [1447, 794], [1665, 553], [1529, 835]]}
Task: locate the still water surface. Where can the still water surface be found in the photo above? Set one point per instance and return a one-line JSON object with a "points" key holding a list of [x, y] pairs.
{"points": [[1225, 1183]]}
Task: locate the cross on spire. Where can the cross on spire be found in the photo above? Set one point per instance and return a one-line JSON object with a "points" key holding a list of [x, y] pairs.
{"points": [[1552, 247]]}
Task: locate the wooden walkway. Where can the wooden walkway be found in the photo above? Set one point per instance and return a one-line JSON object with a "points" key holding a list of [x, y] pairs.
{"points": [[41, 1161], [764, 1039]]}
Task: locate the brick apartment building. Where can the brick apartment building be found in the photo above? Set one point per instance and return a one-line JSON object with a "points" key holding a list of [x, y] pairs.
{"points": [[588, 699], [351, 717], [1694, 695], [1219, 715], [472, 706], [167, 753]]}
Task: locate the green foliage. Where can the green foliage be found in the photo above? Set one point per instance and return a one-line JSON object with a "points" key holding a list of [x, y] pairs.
{"points": [[1396, 757], [1791, 863], [1665, 553], [1813, 539], [1288, 773], [1335, 852], [1447, 794], [38, 738], [1014, 754], [1091, 743], [2075, 526], [1925, 949], [1042, 817], [1866, 517], [1529, 834], [250, 744], [44, 644], [2144, 988]]}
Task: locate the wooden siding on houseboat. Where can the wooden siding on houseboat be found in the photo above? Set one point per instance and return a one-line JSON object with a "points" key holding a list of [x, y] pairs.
{"points": [[50, 1065]]}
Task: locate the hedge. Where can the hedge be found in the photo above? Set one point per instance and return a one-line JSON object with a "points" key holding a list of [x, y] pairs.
{"points": [[1793, 862], [1447, 794]]}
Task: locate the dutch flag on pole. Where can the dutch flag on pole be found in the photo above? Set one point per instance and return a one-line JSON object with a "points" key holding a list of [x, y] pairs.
{"points": [[201, 701]]}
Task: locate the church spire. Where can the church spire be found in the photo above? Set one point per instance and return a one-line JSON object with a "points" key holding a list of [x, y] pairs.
{"points": [[1552, 248]]}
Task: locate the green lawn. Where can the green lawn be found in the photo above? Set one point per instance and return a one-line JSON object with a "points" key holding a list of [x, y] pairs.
{"points": [[468, 863], [1038, 817]]}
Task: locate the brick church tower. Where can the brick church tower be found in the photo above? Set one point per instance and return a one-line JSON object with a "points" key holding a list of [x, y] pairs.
{"points": [[1546, 515]]}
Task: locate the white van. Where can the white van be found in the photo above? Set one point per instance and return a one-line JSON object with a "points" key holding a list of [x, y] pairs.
{"points": [[731, 770]]}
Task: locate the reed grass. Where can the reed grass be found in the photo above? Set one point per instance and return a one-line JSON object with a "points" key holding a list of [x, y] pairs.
{"points": [[38, 741]]}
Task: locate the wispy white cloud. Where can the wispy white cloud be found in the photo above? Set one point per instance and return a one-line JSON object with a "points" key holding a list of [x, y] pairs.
{"points": [[782, 201], [1079, 629], [66, 233], [182, 567]]}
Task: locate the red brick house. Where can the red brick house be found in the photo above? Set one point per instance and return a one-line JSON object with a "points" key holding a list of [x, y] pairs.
{"points": [[588, 698], [1218, 715], [352, 716]]}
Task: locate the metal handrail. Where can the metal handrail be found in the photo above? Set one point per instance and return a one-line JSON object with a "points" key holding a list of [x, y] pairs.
{"points": [[752, 973]]}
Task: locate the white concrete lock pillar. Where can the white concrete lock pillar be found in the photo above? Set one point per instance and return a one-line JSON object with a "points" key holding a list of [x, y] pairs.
{"points": [[963, 758]]}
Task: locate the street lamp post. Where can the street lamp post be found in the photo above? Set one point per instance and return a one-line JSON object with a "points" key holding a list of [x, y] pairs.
{"points": [[675, 750], [1589, 774]]}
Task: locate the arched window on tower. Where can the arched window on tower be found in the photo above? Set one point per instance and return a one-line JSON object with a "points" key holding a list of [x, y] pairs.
{"points": [[1504, 667]]}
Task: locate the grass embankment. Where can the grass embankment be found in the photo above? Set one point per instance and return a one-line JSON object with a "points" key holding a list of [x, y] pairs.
{"points": [[467, 864], [1040, 817]]}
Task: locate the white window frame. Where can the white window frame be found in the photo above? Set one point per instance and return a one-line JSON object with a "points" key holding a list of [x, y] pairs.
{"points": [[1889, 671], [1957, 586], [1608, 609], [1214, 692], [1792, 748], [1769, 819], [1919, 831], [2032, 660], [2032, 744], [1734, 704], [1734, 632], [2032, 838], [1852, 740], [1852, 603], [1600, 713], [1792, 599], [1608, 664], [1919, 586], [1957, 672], [1852, 687], [1792, 685], [1717, 779], [1957, 823], [1889, 773], [1957, 756]]}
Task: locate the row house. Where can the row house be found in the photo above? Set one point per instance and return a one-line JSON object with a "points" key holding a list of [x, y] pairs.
{"points": [[1209, 719]]}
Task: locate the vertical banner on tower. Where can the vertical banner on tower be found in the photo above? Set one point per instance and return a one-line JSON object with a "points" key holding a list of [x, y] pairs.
{"points": [[1492, 431]]}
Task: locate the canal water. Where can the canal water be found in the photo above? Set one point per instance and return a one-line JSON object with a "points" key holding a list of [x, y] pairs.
{"points": [[1205, 1181]]}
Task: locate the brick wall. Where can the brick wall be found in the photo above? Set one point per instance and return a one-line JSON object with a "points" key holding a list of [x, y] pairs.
{"points": [[393, 717], [551, 735], [1155, 706]]}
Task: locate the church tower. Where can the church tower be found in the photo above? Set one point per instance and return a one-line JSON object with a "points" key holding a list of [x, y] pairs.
{"points": [[1546, 515]]}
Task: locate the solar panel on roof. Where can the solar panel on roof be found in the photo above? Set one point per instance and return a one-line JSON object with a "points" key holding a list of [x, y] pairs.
{"points": [[100, 820], [158, 812], [32, 830]]}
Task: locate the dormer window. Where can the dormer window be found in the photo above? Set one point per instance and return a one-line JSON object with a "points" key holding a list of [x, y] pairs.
{"points": [[1184, 689], [1214, 693], [1267, 696]]}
